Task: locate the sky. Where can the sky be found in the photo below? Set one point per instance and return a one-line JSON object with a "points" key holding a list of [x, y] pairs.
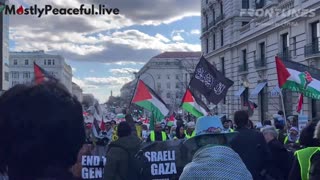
{"points": [[105, 50]]}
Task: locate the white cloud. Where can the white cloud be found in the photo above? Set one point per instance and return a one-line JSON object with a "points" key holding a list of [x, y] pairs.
{"points": [[109, 81], [74, 69], [195, 31], [127, 71], [162, 38], [177, 37]]}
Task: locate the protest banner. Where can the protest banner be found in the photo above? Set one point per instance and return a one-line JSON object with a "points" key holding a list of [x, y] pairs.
{"points": [[92, 167]]}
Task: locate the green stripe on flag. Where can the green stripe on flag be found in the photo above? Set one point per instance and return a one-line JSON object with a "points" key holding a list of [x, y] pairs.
{"points": [[309, 92], [191, 109]]}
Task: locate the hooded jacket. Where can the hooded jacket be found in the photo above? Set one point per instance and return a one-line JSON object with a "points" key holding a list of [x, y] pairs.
{"points": [[117, 158]]}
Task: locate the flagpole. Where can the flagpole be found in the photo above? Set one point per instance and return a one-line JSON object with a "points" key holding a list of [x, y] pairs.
{"points": [[284, 111]]}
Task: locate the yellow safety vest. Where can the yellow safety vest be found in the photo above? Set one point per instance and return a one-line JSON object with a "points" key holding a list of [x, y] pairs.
{"points": [[287, 139], [304, 157], [115, 136], [188, 136], [231, 130], [153, 136]]}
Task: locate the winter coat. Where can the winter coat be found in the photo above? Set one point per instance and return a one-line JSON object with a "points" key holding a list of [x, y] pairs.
{"points": [[253, 150], [280, 158], [117, 158]]}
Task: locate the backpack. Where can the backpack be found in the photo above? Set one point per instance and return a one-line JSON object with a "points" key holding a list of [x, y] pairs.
{"points": [[136, 163], [314, 173]]}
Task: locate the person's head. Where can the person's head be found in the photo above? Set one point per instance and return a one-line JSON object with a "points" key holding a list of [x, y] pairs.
{"points": [[113, 123], [167, 129], [269, 133], [173, 130], [190, 127], [294, 132], [144, 127], [180, 132], [266, 122], [108, 126], [225, 124], [278, 125], [124, 129], [157, 127], [307, 135], [43, 129], [241, 119], [280, 113]]}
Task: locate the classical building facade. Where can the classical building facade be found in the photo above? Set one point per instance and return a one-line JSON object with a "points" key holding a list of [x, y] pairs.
{"points": [[21, 67], [4, 49], [168, 74], [241, 38]]}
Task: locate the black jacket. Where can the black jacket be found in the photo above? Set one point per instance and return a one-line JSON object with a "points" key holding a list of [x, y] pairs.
{"points": [[118, 158], [280, 158], [253, 150]]}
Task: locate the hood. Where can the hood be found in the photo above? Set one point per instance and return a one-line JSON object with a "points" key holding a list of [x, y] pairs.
{"points": [[128, 142], [216, 162]]}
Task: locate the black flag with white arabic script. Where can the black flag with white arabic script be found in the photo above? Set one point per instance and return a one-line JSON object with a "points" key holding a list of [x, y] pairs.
{"points": [[210, 82]]}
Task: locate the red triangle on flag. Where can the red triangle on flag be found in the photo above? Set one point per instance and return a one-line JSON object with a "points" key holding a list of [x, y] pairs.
{"points": [[102, 126], [187, 97], [142, 93], [283, 73], [39, 74]]}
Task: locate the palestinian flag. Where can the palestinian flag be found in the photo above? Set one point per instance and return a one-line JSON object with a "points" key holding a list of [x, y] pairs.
{"points": [[40, 75], [299, 78], [192, 105], [146, 98]]}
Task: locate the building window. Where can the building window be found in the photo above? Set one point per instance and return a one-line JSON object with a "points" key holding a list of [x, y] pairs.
{"points": [[168, 76], [26, 75], [245, 4], [15, 62], [168, 85], [263, 103], [245, 97], [15, 75], [214, 41], [207, 45], [244, 60], [177, 85], [6, 76], [294, 46], [222, 66], [45, 62], [52, 61], [260, 4], [168, 95], [26, 62], [177, 76], [159, 86], [284, 46], [49, 61], [206, 20], [262, 47], [207, 1], [159, 76], [315, 32], [177, 95], [221, 8], [221, 35], [244, 23], [213, 15]]}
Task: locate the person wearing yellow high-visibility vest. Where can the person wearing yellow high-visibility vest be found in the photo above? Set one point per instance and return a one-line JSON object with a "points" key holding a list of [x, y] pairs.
{"points": [[157, 134], [226, 126], [293, 136], [190, 132], [302, 163]]}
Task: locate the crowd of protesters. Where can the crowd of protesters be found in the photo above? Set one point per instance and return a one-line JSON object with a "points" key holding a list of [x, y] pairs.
{"points": [[43, 136]]}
